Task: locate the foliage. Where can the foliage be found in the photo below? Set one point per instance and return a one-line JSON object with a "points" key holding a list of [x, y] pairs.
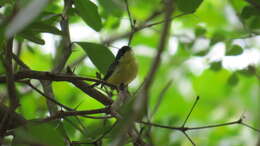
{"points": [[192, 64]]}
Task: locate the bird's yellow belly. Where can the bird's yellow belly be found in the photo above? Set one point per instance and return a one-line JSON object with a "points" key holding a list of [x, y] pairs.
{"points": [[125, 73]]}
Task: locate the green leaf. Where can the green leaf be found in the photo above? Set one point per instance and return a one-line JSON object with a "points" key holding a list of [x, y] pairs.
{"points": [[249, 71], [216, 66], [255, 22], [32, 37], [89, 13], [249, 11], [217, 37], [100, 55], [188, 5], [233, 79], [49, 18], [2, 2], [235, 50], [38, 134], [25, 16], [42, 27]]}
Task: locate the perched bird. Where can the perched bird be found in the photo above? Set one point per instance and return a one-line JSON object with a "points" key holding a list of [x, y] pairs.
{"points": [[124, 68]]}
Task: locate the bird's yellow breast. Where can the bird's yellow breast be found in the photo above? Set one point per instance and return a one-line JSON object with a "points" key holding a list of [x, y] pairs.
{"points": [[126, 70]]}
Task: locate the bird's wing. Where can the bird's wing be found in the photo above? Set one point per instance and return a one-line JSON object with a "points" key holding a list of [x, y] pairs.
{"points": [[111, 69]]}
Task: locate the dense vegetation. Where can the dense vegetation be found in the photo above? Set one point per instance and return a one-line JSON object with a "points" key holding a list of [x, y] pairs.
{"points": [[197, 84]]}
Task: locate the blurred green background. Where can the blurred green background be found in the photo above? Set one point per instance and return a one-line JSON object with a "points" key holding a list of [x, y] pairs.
{"points": [[213, 53]]}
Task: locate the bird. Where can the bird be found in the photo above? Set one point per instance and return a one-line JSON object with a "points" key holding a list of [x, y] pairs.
{"points": [[124, 68]]}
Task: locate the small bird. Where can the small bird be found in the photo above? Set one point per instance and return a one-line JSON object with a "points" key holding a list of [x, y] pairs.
{"points": [[124, 68]]}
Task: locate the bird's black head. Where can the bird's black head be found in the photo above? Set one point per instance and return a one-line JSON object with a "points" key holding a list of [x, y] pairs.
{"points": [[122, 51]]}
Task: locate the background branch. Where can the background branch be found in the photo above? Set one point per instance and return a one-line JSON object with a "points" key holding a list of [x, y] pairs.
{"points": [[61, 57], [14, 101]]}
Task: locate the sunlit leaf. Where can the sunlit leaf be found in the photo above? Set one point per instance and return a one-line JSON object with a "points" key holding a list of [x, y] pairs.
{"points": [[188, 5], [89, 13], [100, 55], [235, 50], [25, 16]]}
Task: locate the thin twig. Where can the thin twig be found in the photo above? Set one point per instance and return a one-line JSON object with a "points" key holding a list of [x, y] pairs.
{"points": [[143, 26], [19, 61], [61, 105], [160, 97], [18, 52], [239, 121], [129, 14], [163, 126], [106, 132], [78, 61], [163, 21], [188, 137], [215, 125], [76, 126], [64, 132], [63, 114], [248, 126], [66, 41], [192, 108], [137, 28], [100, 117], [46, 96], [132, 23]]}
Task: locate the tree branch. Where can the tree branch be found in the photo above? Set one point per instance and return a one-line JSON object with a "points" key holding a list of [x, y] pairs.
{"points": [[185, 129], [188, 137], [192, 108], [14, 101], [17, 120], [41, 75], [77, 81], [142, 97], [63, 114]]}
